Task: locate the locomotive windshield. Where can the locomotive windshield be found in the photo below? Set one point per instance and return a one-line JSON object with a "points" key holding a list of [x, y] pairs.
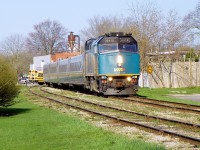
{"points": [[108, 44], [127, 47], [120, 47], [107, 47]]}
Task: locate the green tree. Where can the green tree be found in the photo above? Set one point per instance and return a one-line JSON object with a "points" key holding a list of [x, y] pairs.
{"points": [[8, 83], [192, 56]]}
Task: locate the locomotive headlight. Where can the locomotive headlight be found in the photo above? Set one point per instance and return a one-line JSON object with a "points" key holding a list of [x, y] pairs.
{"points": [[119, 60], [110, 79], [128, 79]]}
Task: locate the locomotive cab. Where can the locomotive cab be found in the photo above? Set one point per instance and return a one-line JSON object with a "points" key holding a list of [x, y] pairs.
{"points": [[112, 64]]}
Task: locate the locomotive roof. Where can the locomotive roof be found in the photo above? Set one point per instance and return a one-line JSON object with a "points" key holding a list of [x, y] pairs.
{"points": [[116, 34], [101, 39]]}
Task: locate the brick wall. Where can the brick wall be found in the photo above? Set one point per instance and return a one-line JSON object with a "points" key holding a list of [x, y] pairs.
{"points": [[63, 55]]}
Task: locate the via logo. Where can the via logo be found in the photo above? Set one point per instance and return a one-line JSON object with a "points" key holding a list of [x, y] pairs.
{"points": [[119, 69]]}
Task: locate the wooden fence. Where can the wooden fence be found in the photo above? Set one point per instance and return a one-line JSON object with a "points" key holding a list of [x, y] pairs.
{"points": [[172, 75]]}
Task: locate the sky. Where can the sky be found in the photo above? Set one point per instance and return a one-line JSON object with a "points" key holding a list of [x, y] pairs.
{"points": [[19, 16]]}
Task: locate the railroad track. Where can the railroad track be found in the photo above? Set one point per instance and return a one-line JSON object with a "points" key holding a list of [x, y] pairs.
{"points": [[192, 140], [166, 104], [129, 111], [160, 103]]}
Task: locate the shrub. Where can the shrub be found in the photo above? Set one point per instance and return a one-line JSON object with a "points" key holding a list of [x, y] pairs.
{"points": [[8, 83]]}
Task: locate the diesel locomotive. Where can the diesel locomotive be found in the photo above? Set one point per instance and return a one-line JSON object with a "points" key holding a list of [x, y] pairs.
{"points": [[109, 65]]}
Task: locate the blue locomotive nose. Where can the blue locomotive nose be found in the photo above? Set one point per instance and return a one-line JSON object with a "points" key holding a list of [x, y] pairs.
{"points": [[119, 63]]}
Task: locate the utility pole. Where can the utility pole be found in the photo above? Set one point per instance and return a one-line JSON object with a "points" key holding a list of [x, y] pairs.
{"points": [[190, 68]]}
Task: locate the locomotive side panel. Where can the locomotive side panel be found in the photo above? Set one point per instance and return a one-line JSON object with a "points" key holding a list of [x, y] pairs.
{"points": [[89, 64], [91, 60]]}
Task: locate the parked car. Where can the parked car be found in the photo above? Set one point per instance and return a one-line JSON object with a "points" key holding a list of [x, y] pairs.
{"points": [[23, 80]]}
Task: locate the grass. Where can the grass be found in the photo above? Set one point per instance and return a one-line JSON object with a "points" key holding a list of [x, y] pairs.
{"points": [[28, 126], [164, 94]]}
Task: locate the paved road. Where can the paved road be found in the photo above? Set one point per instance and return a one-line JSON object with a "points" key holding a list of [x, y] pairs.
{"points": [[193, 97]]}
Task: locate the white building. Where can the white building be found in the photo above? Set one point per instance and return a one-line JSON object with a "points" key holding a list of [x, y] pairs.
{"points": [[39, 61]]}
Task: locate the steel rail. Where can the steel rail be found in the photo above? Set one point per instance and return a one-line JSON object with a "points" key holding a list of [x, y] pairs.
{"points": [[163, 105], [167, 102], [192, 140]]}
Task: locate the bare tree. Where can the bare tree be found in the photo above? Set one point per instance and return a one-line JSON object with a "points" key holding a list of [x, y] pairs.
{"points": [[99, 25], [192, 20], [13, 48], [145, 23], [192, 23], [156, 35], [49, 37], [13, 45], [174, 35]]}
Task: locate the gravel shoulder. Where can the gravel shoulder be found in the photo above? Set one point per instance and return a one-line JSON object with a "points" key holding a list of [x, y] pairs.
{"points": [[193, 97]]}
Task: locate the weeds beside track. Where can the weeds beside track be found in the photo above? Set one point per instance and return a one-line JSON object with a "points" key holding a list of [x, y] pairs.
{"points": [[193, 140]]}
